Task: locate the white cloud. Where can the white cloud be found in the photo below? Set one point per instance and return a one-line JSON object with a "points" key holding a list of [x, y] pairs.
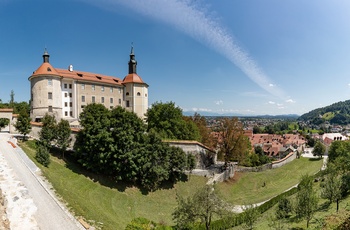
{"points": [[278, 104], [290, 101], [272, 102], [200, 25], [200, 110], [271, 85], [219, 102]]}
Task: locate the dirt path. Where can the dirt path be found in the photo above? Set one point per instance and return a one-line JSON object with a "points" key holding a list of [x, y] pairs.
{"points": [[31, 203]]}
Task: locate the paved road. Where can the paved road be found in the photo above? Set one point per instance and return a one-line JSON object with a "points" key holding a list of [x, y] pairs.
{"points": [[47, 212]]}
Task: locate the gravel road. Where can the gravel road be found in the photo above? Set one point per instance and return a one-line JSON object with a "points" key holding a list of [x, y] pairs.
{"points": [[31, 204]]}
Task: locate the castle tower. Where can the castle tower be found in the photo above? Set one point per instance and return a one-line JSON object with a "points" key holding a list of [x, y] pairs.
{"points": [[135, 89], [45, 87]]}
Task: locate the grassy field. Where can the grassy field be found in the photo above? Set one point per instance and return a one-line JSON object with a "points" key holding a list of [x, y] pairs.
{"points": [[113, 205], [248, 188], [326, 216], [108, 204]]}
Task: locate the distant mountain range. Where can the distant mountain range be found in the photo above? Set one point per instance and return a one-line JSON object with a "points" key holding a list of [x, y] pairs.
{"points": [[337, 113], [211, 114]]}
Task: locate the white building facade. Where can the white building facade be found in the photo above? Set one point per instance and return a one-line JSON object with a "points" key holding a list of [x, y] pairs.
{"points": [[65, 92]]}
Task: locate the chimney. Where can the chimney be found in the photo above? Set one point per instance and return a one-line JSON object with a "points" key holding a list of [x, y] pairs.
{"points": [[70, 68]]}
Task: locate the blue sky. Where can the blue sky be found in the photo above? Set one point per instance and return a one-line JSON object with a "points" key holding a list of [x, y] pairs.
{"points": [[245, 57]]}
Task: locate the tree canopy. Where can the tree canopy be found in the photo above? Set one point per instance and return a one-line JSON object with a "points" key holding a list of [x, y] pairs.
{"points": [[4, 122], [114, 142], [23, 125], [167, 120]]}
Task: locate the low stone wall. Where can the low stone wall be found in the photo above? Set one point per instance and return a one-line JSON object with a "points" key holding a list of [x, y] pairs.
{"points": [[254, 169], [225, 175], [289, 158], [204, 156], [275, 164]]}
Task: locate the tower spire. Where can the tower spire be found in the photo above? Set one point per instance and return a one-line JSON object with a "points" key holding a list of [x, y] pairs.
{"points": [[132, 61], [46, 56]]}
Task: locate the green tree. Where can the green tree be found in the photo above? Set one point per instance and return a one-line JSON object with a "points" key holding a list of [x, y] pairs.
{"points": [[332, 186], [319, 149], [306, 199], [94, 143], [4, 122], [251, 215], [12, 99], [284, 208], [63, 132], [167, 120], [202, 207], [23, 125], [204, 131], [48, 131], [42, 155]]}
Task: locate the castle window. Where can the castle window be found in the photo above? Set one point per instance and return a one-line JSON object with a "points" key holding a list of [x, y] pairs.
{"points": [[50, 108], [111, 89], [138, 94], [70, 94], [65, 94], [70, 104], [66, 113], [49, 69], [71, 113], [70, 86], [111, 100], [127, 103], [120, 101], [102, 88], [102, 100], [93, 99], [82, 98], [66, 104], [82, 86], [65, 86], [127, 93], [49, 95], [93, 87], [49, 82]]}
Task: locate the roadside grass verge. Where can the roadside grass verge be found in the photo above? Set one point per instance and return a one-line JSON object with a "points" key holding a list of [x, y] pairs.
{"points": [[256, 187], [105, 203]]}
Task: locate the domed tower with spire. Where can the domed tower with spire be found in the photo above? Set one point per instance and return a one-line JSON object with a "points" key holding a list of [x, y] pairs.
{"points": [[45, 85], [135, 89]]}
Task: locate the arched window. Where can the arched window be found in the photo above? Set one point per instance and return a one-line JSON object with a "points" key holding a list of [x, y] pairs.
{"points": [[127, 93], [138, 94], [49, 69]]}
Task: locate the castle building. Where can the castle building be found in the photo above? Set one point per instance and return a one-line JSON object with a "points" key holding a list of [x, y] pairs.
{"points": [[65, 92]]}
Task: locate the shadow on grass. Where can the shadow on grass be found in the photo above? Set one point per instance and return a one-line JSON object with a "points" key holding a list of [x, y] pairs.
{"points": [[105, 180], [324, 207], [315, 159]]}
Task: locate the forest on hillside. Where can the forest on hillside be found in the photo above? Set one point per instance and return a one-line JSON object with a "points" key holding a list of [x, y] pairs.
{"points": [[337, 113]]}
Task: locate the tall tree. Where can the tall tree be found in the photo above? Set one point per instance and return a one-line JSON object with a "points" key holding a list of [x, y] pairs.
{"points": [[94, 141], [12, 99], [319, 149], [306, 199], [4, 122], [63, 132], [202, 207], [233, 144], [23, 125], [167, 120], [332, 186], [48, 131]]}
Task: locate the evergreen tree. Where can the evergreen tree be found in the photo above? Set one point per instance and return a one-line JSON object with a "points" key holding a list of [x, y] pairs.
{"points": [[23, 125]]}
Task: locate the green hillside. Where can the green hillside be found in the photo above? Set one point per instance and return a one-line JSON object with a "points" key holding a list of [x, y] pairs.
{"points": [[337, 113]]}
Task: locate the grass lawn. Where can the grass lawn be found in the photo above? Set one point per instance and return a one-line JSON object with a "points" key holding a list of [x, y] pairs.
{"points": [[326, 216], [110, 205], [247, 188]]}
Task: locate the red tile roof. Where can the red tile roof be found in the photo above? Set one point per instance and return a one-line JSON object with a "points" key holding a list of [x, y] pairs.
{"points": [[133, 78], [47, 69]]}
